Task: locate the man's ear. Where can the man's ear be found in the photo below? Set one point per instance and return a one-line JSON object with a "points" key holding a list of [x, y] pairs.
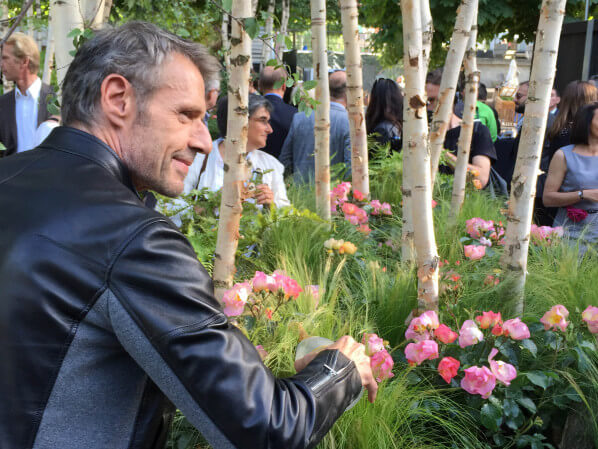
{"points": [[117, 100]]}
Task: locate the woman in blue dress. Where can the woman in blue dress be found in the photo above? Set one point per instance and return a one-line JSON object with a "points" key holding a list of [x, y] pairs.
{"points": [[572, 181]]}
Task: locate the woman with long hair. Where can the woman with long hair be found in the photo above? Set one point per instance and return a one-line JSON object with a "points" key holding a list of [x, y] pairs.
{"points": [[572, 181], [576, 95], [384, 115]]}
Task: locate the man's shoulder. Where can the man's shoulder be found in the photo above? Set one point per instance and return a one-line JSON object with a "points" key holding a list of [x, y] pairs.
{"points": [[7, 97]]}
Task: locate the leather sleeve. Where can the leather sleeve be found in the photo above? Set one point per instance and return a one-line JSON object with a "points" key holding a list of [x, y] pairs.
{"points": [[169, 296]]}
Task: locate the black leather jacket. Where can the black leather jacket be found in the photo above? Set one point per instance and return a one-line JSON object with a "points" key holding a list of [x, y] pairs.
{"points": [[105, 313]]}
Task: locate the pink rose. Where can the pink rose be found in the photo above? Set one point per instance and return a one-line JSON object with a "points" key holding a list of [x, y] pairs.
{"points": [[385, 209], [504, 372], [516, 329], [477, 227], [362, 216], [474, 252], [291, 288], [358, 195], [445, 334], [375, 207], [469, 334], [489, 319], [434, 204], [556, 317], [381, 363], [372, 343], [576, 215], [590, 316], [349, 208], [479, 381], [261, 281], [416, 353], [448, 368], [412, 334], [364, 229], [236, 298]]}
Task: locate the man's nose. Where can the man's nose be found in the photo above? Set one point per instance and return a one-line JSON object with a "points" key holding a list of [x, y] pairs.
{"points": [[200, 139]]}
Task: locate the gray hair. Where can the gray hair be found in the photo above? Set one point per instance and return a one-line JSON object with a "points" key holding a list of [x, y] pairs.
{"points": [[213, 84], [135, 51], [254, 103]]}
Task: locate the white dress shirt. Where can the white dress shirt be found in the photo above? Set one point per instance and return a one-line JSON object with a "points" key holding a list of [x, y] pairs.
{"points": [[213, 176], [26, 105]]}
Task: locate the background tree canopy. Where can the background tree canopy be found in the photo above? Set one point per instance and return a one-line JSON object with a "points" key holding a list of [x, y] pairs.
{"points": [[512, 16]]}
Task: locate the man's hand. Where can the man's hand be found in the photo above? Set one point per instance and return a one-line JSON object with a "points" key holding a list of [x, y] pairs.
{"points": [[264, 195], [354, 351]]}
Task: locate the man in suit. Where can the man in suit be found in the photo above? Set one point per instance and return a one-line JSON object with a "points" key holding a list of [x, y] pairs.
{"points": [[283, 113], [297, 154], [23, 109]]}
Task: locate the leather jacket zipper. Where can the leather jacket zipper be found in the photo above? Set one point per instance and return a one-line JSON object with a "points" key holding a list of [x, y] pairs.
{"points": [[330, 373]]}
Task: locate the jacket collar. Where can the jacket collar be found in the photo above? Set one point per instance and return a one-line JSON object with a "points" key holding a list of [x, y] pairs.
{"points": [[75, 141]]}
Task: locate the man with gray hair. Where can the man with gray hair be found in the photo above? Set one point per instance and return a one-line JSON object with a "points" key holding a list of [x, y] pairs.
{"points": [[106, 315]]}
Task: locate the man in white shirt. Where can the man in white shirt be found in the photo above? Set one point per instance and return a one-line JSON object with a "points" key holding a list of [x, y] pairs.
{"points": [[24, 108]]}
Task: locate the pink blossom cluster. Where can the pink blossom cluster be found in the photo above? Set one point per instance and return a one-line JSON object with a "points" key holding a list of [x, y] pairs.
{"points": [[237, 297], [479, 229], [339, 195], [427, 331], [380, 208], [474, 252], [380, 360], [277, 281], [545, 235]]}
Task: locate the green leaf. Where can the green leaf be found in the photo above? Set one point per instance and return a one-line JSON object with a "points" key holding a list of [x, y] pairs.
{"points": [[74, 33], [278, 84], [511, 408], [290, 81], [252, 27], [491, 417], [530, 346], [272, 63], [288, 41], [527, 403], [307, 85], [538, 378], [227, 5]]}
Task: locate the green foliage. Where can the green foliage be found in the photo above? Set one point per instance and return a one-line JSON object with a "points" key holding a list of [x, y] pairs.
{"points": [[493, 18]]}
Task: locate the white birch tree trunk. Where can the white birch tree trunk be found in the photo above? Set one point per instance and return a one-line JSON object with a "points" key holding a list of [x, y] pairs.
{"points": [[427, 34], [355, 107], [28, 27], [107, 9], [472, 80], [254, 5], [322, 112], [415, 132], [225, 40], [523, 185], [268, 30], [407, 249], [65, 17], [284, 24], [235, 152], [49, 58], [448, 85]]}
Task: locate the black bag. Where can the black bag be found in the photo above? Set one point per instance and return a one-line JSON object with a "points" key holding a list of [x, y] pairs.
{"points": [[496, 186]]}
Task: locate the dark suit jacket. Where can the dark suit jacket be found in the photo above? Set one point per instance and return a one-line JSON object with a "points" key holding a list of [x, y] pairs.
{"points": [[8, 122], [280, 119]]}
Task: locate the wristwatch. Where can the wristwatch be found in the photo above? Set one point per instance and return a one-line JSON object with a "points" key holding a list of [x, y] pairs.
{"points": [[580, 195]]}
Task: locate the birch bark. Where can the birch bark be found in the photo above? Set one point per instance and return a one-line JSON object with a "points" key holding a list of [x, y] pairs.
{"points": [[472, 80], [268, 30], [523, 185], [415, 133], [448, 85], [284, 24], [235, 162], [407, 249], [49, 57], [3, 30], [322, 112], [355, 107], [225, 40]]}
